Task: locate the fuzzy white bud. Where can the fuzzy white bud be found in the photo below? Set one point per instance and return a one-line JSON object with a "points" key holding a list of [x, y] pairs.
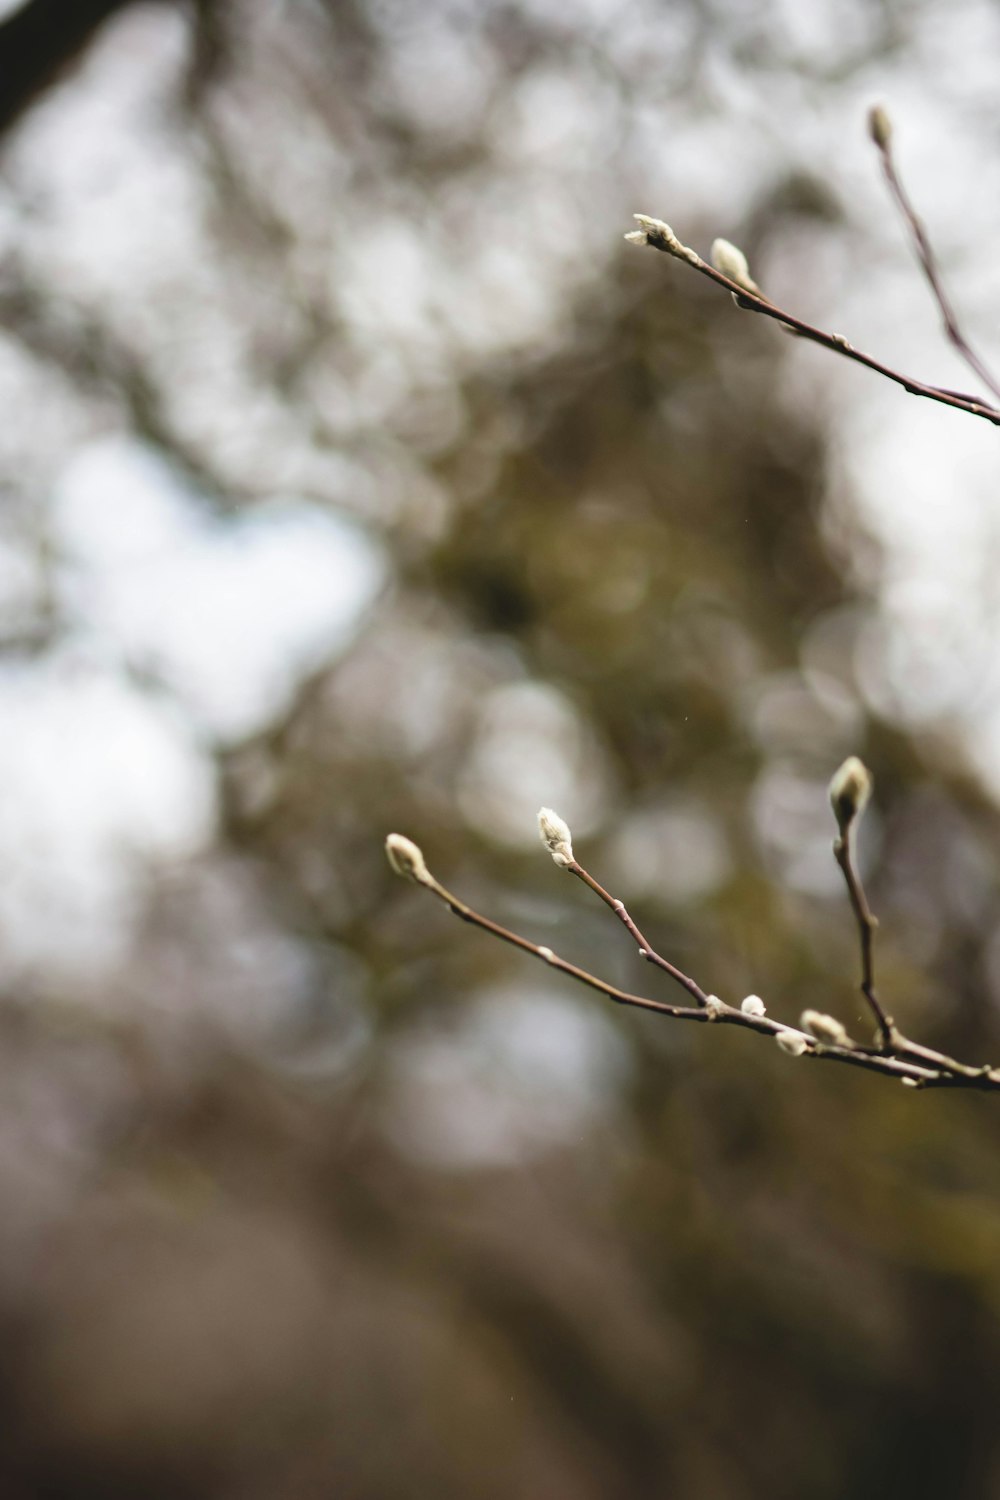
{"points": [[555, 835], [730, 260], [657, 230], [753, 1005], [407, 859], [826, 1029], [714, 1006], [791, 1042], [850, 789]]}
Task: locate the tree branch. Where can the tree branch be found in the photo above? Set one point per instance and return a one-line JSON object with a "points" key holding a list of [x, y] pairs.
{"points": [[880, 130], [818, 1036], [660, 236]]}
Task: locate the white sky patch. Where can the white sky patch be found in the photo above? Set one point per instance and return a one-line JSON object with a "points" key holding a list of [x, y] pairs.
{"points": [[99, 781], [229, 613]]}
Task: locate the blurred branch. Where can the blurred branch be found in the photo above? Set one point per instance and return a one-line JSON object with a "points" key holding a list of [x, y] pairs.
{"points": [[818, 1036], [44, 38], [880, 130], [748, 296]]}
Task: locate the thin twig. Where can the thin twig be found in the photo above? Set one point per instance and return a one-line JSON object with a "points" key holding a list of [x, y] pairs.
{"points": [[882, 136], [654, 232], [611, 991], [645, 950], [867, 924], [850, 790]]}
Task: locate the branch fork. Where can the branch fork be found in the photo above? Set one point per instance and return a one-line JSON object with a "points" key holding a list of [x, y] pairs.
{"points": [[817, 1036]]}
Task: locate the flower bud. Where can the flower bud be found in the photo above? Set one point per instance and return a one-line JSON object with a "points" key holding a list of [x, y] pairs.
{"points": [[660, 233], [753, 1005], [730, 260], [824, 1028], [555, 835], [880, 127], [407, 859], [850, 789], [791, 1042]]}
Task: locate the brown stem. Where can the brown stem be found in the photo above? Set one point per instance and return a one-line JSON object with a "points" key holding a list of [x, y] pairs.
{"points": [[645, 950], [930, 267], [621, 997], [867, 924]]}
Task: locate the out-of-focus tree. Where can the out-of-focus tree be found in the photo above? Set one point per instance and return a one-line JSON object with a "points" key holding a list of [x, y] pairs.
{"points": [[357, 476]]}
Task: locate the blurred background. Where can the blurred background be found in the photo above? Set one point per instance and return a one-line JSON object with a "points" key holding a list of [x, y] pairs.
{"points": [[357, 476]]}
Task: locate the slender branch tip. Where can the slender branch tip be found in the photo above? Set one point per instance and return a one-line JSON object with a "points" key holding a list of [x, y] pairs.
{"points": [[880, 127]]}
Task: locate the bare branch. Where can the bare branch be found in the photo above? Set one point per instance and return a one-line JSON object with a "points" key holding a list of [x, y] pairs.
{"points": [[660, 236], [822, 1039], [645, 950], [867, 924], [880, 130], [850, 790]]}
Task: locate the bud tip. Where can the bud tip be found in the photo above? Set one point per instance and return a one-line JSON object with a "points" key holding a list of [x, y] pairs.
{"points": [[730, 260], [880, 127], [850, 789], [555, 835], [406, 859]]}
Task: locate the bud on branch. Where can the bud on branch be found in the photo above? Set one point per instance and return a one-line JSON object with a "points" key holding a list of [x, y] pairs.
{"points": [[825, 1029], [850, 790], [555, 835], [407, 859], [730, 260], [880, 127]]}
